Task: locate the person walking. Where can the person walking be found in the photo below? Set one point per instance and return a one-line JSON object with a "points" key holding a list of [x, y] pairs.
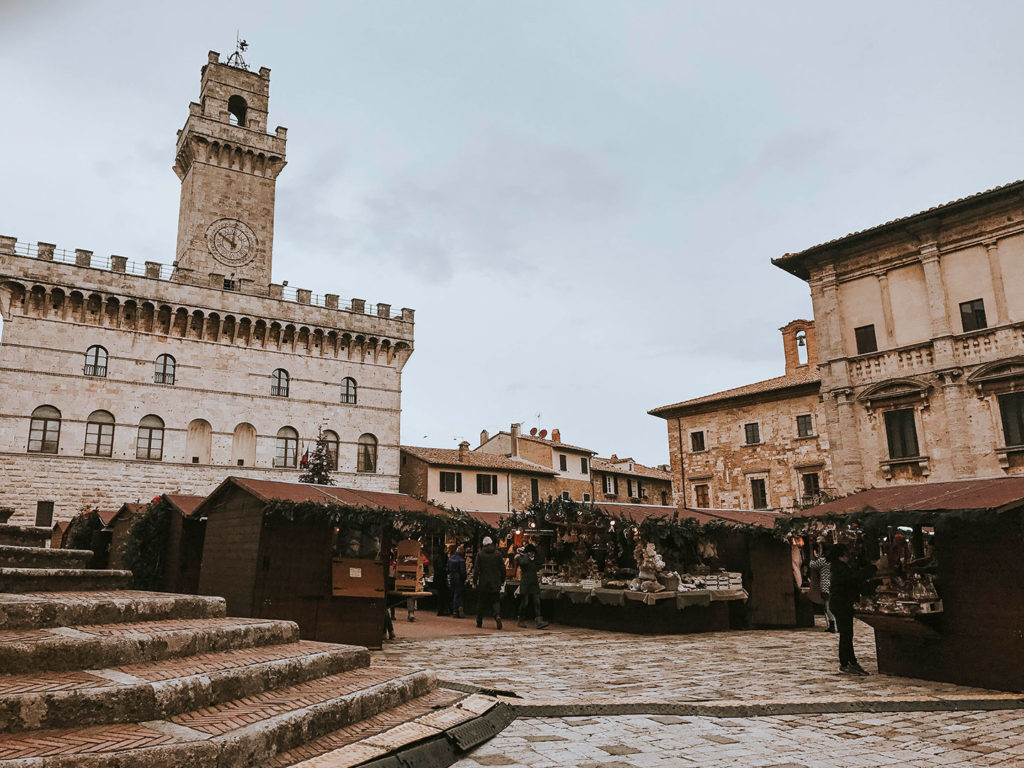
{"points": [[489, 575], [847, 584], [457, 579], [442, 583], [529, 585], [823, 568]]}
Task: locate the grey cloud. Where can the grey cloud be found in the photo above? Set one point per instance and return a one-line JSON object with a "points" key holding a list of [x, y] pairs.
{"points": [[490, 208]]}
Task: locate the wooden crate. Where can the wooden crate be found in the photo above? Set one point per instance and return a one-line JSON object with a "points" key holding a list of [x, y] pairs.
{"points": [[409, 567]]}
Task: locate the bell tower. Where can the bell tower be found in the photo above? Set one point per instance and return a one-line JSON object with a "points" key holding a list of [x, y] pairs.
{"points": [[228, 166]]}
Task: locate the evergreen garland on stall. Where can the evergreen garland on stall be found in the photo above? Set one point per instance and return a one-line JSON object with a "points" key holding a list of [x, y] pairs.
{"points": [[81, 529], [144, 552]]}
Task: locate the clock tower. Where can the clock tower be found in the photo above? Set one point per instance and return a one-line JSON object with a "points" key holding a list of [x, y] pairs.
{"points": [[228, 166]]}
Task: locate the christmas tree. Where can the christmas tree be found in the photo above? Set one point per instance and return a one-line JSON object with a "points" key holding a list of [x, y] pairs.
{"points": [[318, 468]]}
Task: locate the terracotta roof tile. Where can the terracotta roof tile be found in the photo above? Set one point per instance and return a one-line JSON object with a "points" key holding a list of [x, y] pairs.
{"points": [[604, 465], [275, 490], [791, 261], [553, 444], [778, 384], [184, 503], [990, 493], [635, 512], [449, 457]]}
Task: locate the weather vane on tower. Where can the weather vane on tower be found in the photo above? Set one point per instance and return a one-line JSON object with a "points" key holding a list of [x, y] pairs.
{"points": [[235, 59]]}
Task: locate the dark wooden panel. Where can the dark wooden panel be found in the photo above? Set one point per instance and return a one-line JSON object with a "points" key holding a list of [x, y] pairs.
{"points": [[230, 550], [772, 591]]}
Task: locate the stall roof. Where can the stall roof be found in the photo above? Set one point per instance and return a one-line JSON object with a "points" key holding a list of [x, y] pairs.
{"points": [[758, 517], [959, 495], [184, 503], [636, 512], [276, 490]]}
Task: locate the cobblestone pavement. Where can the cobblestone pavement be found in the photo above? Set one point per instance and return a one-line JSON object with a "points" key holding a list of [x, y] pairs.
{"points": [[907, 740], [789, 706], [573, 666]]}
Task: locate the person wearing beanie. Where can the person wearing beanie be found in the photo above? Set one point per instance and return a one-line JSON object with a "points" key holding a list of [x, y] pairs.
{"points": [[489, 575]]}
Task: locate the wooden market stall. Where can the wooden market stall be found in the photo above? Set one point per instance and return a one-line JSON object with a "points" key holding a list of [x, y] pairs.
{"points": [[269, 566], [973, 633]]}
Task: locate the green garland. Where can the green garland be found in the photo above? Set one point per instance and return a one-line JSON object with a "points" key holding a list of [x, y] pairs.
{"points": [[344, 517], [144, 551], [81, 529]]}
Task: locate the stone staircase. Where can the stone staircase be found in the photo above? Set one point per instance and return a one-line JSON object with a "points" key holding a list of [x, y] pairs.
{"points": [[95, 674]]}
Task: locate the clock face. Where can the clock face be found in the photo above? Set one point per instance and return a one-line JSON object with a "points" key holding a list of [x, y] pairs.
{"points": [[231, 242]]}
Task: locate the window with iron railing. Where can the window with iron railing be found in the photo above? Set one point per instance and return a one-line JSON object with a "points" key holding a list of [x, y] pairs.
{"points": [[95, 361]]}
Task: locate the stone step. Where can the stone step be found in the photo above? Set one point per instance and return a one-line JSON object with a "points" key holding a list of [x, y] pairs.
{"points": [[366, 739], [42, 557], [38, 610], [106, 645], [61, 579], [24, 535], [162, 689], [239, 734]]}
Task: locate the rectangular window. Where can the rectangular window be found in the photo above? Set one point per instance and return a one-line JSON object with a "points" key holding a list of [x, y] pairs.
{"points": [[702, 496], [99, 439], [586, 497], [451, 482], [565, 495], [534, 490], [583, 465], [759, 493], [632, 489], [1011, 407], [697, 441], [972, 315], [487, 485], [640, 490], [901, 433], [610, 485], [804, 425], [753, 433], [865, 336], [44, 514], [810, 484], [562, 462]]}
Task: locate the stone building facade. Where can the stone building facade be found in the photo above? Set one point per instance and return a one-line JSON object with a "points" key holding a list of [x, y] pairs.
{"points": [[760, 446], [472, 480], [921, 343], [626, 481], [122, 381]]}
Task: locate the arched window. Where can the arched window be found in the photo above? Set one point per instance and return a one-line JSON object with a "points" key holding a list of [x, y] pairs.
{"points": [[331, 442], [165, 367], [801, 347], [99, 434], [150, 443], [348, 391], [279, 383], [286, 454], [366, 457], [44, 430], [95, 361], [243, 445], [197, 441], [237, 109]]}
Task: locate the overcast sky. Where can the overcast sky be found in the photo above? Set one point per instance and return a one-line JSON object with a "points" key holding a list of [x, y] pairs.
{"points": [[579, 199]]}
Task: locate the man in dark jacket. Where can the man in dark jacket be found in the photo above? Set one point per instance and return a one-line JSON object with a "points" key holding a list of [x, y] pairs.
{"points": [[529, 585], [489, 575], [846, 588]]}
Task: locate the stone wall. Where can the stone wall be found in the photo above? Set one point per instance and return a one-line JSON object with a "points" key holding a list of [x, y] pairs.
{"points": [[76, 483]]}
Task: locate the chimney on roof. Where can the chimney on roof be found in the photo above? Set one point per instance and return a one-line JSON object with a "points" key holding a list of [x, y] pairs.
{"points": [[513, 432], [484, 436], [613, 458], [463, 450], [556, 436]]}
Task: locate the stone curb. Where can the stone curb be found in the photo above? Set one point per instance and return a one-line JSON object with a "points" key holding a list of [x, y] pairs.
{"points": [[764, 709]]}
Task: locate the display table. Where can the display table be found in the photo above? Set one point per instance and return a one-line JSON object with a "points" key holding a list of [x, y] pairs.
{"points": [[623, 610]]}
